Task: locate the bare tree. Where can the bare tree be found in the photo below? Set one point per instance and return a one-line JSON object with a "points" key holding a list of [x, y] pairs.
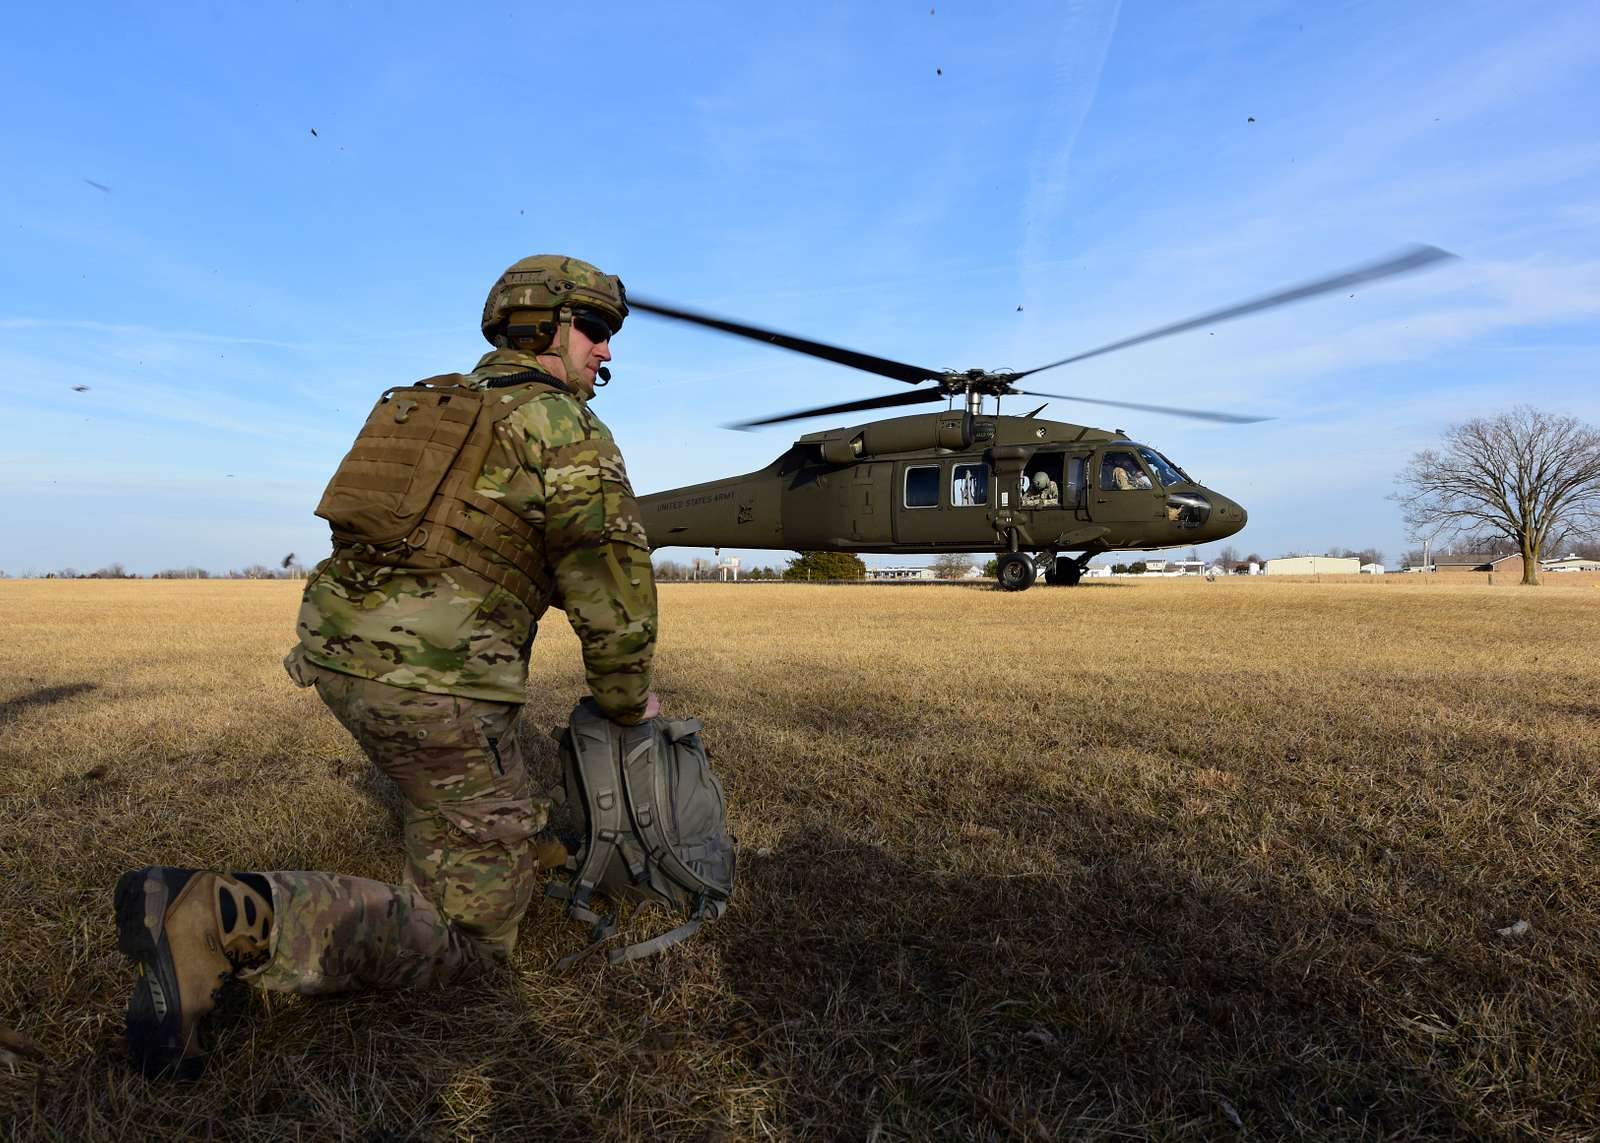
{"points": [[1528, 476], [951, 566]]}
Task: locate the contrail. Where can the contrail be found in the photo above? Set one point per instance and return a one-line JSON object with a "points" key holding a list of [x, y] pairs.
{"points": [[1081, 52]]}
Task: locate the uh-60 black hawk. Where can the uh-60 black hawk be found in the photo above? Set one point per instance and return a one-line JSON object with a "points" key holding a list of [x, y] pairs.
{"points": [[1046, 496]]}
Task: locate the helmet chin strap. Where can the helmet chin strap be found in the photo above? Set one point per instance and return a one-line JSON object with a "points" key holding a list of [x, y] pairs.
{"points": [[561, 350]]}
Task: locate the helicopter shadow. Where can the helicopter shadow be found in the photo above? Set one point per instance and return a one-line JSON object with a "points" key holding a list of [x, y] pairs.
{"points": [[1110, 990]]}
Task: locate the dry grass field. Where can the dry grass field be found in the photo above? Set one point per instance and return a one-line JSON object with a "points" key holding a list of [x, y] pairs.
{"points": [[1137, 859]]}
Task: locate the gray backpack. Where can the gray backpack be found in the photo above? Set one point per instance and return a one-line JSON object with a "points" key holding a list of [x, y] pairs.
{"points": [[654, 826]]}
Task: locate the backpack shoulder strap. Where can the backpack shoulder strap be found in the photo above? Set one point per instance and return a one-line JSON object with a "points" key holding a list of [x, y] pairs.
{"points": [[598, 781]]}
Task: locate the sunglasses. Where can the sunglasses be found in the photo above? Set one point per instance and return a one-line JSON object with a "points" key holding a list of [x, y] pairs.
{"points": [[592, 325]]}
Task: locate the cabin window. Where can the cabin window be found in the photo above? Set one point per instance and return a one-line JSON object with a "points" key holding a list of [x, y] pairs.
{"points": [[1041, 480], [969, 485], [922, 486], [1120, 472]]}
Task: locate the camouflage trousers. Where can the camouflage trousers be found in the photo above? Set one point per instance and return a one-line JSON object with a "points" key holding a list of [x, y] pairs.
{"points": [[470, 873]]}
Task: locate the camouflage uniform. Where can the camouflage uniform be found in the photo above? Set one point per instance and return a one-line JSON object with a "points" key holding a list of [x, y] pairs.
{"points": [[428, 670]]}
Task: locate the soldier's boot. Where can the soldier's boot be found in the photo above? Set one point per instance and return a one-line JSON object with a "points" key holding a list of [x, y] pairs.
{"points": [[187, 932]]}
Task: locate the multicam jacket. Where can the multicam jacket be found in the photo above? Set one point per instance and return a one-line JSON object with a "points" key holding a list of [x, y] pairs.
{"points": [[451, 631]]}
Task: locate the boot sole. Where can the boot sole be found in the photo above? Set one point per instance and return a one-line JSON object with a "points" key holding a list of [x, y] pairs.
{"points": [[155, 1018]]}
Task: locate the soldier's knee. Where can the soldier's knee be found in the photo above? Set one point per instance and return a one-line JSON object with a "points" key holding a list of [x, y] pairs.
{"points": [[477, 863]]}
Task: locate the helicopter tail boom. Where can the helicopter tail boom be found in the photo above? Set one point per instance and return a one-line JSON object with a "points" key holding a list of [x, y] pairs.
{"points": [[737, 512]]}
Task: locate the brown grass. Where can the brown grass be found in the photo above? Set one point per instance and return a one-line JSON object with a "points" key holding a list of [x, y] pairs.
{"points": [[1144, 859]]}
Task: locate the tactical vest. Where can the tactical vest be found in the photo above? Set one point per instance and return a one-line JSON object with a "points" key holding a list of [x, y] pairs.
{"points": [[404, 494]]}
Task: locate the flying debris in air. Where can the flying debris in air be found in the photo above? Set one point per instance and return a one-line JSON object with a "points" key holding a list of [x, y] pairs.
{"points": [[1019, 309], [1252, 119], [938, 71], [314, 133], [98, 186], [80, 388]]}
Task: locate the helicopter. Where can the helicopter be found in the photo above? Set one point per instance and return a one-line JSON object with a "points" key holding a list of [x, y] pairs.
{"points": [[1045, 496]]}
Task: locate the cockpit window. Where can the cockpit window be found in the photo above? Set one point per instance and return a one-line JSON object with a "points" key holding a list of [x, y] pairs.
{"points": [[1166, 472], [1119, 471]]}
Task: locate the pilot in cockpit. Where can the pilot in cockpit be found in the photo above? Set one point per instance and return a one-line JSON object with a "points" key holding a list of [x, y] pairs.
{"points": [[1126, 477]]}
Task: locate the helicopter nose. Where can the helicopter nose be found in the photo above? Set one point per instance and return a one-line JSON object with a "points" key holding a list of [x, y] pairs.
{"points": [[1227, 516]]}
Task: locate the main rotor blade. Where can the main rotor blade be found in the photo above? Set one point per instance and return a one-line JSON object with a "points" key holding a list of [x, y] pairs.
{"points": [[1413, 258], [890, 400], [1193, 414], [882, 366]]}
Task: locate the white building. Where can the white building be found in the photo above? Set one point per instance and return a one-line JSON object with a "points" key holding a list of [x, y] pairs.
{"points": [[1569, 564], [900, 571], [1371, 569], [1314, 565]]}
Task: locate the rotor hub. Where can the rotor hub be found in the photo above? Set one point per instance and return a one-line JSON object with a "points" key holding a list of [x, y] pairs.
{"points": [[954, 382]]}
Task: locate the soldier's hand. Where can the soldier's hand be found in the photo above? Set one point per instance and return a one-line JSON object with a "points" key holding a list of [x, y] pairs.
{"points": [[549, 852], [652, 707]]}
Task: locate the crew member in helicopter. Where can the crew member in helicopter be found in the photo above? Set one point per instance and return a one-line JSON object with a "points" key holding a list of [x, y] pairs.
{"points": [[1125, 475], [1041, 491]]}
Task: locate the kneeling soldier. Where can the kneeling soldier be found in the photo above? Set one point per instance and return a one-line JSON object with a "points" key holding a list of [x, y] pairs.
{"points": [[416, 634]]}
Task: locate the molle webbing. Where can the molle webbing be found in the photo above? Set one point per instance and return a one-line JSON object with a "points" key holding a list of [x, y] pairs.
{"points": [[460, 525], [405, 495]]}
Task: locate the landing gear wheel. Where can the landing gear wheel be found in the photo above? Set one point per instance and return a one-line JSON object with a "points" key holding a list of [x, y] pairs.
{"points": [[1015, 571]]}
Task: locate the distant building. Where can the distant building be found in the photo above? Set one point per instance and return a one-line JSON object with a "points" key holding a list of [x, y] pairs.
{"points": [[1510, 563], [1371, 569], [1570, 564], [900, 571], [1314, 565]]}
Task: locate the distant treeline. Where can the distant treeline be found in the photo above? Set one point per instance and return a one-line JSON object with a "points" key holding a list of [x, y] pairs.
{"points": [[118, 571]]}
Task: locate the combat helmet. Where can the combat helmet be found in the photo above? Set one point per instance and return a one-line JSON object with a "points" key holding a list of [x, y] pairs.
{"points": [[545, 289]]}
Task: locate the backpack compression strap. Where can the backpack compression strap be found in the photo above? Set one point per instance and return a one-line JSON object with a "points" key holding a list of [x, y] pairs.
{"points": [[651, 946]]}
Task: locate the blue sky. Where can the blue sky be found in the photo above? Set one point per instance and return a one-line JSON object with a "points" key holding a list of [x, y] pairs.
{"points": [[236, 290]]}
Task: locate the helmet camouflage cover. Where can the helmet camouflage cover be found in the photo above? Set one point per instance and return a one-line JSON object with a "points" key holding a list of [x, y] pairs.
{"points": [[553, 282]]}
